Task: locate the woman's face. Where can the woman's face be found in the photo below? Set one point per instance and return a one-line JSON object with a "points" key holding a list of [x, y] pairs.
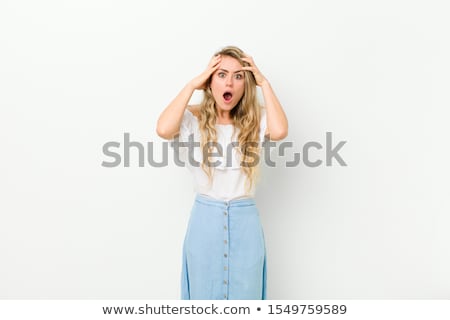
{"points": [[227, 83]]}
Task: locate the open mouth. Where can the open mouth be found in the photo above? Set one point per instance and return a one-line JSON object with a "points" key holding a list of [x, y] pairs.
{"points": [[227, 96]]}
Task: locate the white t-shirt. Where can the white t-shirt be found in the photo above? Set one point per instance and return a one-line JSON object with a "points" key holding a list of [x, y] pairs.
{"points": [[228, 179]]}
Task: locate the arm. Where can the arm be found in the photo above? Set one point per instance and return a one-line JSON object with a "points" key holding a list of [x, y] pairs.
{"points": [[170, 119], [277, 124]]}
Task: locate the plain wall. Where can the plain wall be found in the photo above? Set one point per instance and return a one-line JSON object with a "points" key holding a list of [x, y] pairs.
{"points": [[75, 75]]}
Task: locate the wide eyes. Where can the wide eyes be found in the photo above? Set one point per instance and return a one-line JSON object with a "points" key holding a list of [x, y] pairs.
{"points": [[237, 76]]}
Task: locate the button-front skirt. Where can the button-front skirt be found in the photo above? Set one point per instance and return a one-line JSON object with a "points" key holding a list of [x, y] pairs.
{"points": [[224, 254]]}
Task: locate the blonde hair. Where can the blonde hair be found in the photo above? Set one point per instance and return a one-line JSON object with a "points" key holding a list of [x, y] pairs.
{"points": [[246, 117]]}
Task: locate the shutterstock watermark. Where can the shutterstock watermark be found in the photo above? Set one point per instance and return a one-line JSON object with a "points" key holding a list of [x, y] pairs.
{"points": [[120, 153]]}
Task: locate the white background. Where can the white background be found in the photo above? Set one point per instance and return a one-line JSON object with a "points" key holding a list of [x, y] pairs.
{"points": [[77, 74]]}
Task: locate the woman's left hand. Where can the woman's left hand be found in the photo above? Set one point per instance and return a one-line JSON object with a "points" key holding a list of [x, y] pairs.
{"points": [[260, 79]]}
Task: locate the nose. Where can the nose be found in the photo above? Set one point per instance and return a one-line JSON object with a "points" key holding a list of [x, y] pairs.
{"points": [[229, 80]]}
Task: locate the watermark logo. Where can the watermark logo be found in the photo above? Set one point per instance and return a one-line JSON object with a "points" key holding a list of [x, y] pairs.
{"points": [[119, 154]]}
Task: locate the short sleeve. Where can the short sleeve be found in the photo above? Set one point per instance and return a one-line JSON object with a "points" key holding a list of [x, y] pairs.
{"points": [[262, 125], [186, 126]]}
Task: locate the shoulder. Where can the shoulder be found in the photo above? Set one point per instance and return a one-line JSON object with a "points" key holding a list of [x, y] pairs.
{"points": [[194, 110], [263, 123], [263, 111], [190, 118]]}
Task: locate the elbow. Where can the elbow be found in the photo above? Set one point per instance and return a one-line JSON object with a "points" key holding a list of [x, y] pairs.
{"points": [[162, 132], [278, 133], [165, 133]]}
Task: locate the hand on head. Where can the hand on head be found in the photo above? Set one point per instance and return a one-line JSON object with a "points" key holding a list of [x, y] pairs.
{"points": [[260, 79], [199, 82]]}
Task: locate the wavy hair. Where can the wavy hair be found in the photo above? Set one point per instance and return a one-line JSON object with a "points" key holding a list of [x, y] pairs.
{"points": [[246, 117]]}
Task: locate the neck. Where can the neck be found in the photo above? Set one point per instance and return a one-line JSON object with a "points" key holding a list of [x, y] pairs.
{"points": [[224, 117]]}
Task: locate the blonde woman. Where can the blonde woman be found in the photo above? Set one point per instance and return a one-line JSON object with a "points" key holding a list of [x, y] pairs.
{"points": [[224, 254]]}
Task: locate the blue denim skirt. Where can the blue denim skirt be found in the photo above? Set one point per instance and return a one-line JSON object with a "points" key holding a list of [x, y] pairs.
{"points": [[224, 255]]}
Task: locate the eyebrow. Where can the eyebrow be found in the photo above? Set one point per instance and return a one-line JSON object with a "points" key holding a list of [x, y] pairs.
{"points": [[229, 71]]}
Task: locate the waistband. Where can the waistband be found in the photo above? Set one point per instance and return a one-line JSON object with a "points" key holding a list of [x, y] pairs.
{"points": [[241, 202]]}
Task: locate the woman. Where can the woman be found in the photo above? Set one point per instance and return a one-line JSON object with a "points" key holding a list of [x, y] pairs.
{"points": [[224, 251]]}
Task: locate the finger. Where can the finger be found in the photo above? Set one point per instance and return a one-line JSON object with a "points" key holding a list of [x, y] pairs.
{"points": [[215, 61], [252, 69], [216, 57], [248, 59]]}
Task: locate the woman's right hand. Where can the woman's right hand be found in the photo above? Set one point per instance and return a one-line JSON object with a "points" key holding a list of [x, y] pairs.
{"points": [[199, 82]]}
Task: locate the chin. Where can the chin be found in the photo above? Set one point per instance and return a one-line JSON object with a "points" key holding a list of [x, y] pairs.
{"points": [[228, 107]]}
